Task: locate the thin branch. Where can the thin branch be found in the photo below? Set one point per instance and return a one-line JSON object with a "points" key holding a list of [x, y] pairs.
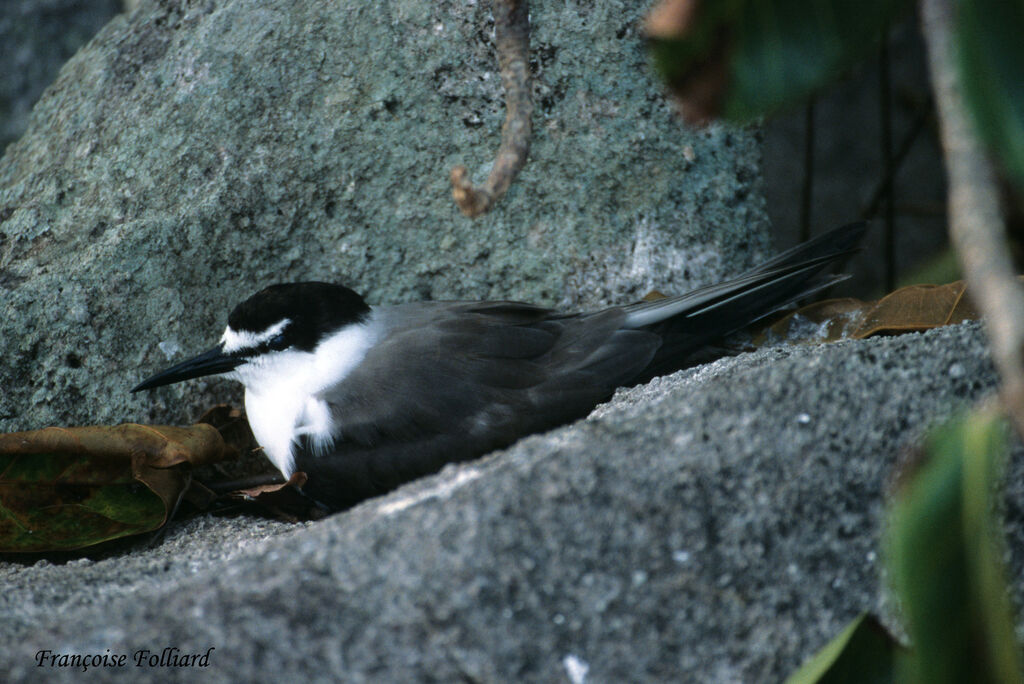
{"points": [[251, 482], [512, 36], [976, 226], [921, 119], [807, 190], [885, 123]]}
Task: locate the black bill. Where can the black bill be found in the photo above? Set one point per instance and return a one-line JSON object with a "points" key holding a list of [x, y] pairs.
{"points": [[209, 362]]}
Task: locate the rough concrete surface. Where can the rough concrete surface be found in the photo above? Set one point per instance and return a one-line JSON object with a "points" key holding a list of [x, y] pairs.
{"points": [[718, 525], [195, 151]]}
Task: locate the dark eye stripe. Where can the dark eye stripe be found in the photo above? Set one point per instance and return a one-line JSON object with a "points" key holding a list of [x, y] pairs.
{"points": [[276, 343]]}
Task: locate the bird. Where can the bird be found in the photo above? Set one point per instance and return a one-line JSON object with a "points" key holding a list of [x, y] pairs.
{"points": [[364, 399]]}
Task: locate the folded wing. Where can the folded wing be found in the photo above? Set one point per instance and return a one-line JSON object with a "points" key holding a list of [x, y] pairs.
{"points": [[453, 381]]}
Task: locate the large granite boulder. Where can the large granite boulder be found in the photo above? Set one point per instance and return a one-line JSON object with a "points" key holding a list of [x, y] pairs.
{"points": [[194, 152]]}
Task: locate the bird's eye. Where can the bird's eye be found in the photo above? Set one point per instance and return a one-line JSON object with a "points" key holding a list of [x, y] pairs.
{"points": [[277, 342]]}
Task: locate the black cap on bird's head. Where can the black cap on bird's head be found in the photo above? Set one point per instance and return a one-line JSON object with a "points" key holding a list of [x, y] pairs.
{"points": [[279, 317], [313, 310]]}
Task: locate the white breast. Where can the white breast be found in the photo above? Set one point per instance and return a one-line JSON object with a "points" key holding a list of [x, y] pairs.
{"points": [[282, 391]]}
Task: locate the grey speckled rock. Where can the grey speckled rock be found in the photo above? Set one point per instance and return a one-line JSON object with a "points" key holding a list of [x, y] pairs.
{"points": [[718, 525], [36, 38], [196, 151]]}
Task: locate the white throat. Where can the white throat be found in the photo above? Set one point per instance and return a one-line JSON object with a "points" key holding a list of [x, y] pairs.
{"points": [[283, 390]]}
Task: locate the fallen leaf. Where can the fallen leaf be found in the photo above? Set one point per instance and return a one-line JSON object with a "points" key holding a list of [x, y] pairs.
{"points": [[67, 488], [914, 308]]}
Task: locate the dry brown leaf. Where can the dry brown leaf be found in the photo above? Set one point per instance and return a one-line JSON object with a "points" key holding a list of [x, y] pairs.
{"points": [[914, 308], [65, 488]]}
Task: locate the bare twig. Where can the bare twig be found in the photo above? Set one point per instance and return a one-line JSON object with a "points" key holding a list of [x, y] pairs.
{"points": [[921, 119], [251, 482], [974, 217], [512, 36], [807, 191], [885, 123]]}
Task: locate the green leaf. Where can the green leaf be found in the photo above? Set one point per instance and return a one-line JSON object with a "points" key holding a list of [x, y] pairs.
{"points": [[945, 554], [863, 653], [787, 49], [747, 58], [67, 488], [991, 60], [61, 502]]}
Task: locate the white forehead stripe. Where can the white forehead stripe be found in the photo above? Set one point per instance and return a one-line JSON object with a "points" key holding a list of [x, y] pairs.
{"points": [[233, 341]]}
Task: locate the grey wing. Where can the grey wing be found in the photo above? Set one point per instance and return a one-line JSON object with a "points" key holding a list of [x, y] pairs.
{"points": [[690, 324], [455, 381], [778, 282]]}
